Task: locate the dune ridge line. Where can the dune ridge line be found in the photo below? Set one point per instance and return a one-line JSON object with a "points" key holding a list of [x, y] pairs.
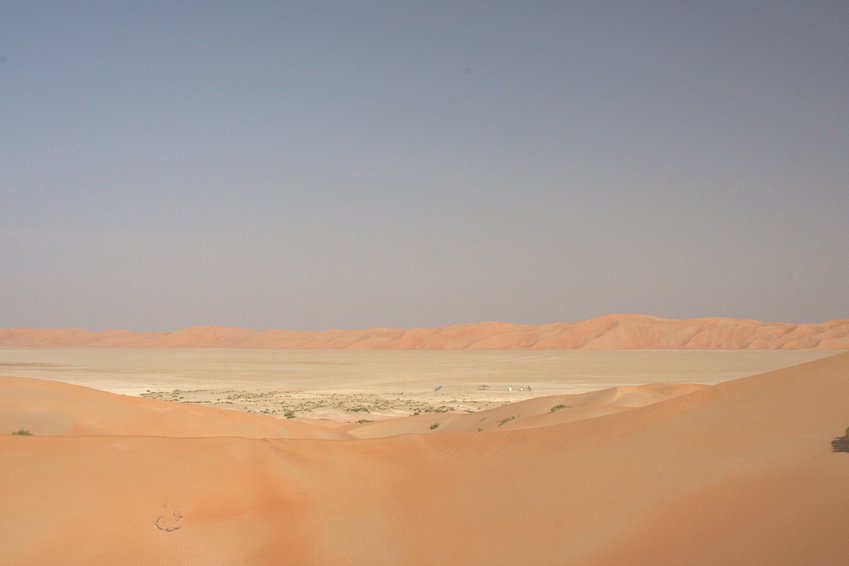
{"points": [[611, 332]]}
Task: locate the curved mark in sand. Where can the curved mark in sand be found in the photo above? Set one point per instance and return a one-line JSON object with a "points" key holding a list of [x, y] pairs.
{"points": [[170, 521]]}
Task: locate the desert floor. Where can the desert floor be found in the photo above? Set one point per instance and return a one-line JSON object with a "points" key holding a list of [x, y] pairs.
{"points": [[610, 458], [350, 386]]}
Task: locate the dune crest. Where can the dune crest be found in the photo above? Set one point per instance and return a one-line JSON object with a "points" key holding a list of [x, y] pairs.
{"points": [[612, 332]]}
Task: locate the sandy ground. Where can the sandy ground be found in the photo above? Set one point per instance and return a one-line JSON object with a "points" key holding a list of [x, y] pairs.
{"points": [[746, 471], [353, 386]]}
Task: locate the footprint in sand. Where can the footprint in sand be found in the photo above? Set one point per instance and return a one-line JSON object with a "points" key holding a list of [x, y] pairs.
{"points": [[170, 521]]}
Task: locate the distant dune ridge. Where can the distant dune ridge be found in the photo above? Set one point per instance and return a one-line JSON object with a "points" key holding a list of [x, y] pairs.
{"points": [[749, 471], [612, 332]]}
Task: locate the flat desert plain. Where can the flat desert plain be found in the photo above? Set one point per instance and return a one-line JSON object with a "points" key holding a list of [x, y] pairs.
{"points": [[149, 456], [351, 385]]}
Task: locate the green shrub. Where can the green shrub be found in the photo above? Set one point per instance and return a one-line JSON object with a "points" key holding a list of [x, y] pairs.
{"points": [[559, 406], [434, 426], [22, 432], [847, 436], [290, 414]]}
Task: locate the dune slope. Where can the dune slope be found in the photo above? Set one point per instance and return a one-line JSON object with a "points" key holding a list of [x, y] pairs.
{"points": [[742, 472], [51, 408], [531, 413]]}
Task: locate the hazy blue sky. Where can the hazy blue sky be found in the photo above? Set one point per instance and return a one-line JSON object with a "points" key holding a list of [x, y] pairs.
{"points": [[354, 164]]}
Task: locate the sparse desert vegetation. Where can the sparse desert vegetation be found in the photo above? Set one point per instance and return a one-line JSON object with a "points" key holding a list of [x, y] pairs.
{"points": [[506, 420], [308, 404]]}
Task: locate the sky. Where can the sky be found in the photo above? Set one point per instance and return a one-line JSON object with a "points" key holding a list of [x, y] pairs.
{"points": [[316, 165]]}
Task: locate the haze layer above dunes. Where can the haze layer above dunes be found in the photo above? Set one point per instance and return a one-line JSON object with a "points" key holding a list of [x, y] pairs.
{"points": [[747, 471], [613, 332]]}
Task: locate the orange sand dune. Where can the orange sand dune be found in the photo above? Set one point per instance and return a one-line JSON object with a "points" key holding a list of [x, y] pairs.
{"points": [[613, 332], [540, 411], [742, 472], [52, 408]]}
